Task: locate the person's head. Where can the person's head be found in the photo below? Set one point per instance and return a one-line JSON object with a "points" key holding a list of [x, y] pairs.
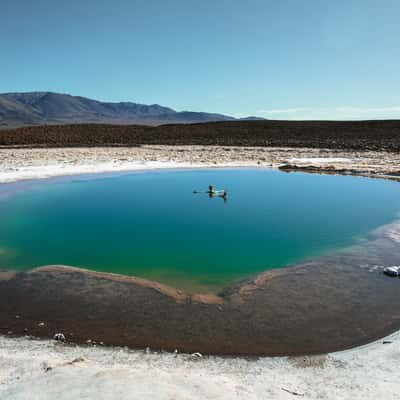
{"points": [[211, 188]]}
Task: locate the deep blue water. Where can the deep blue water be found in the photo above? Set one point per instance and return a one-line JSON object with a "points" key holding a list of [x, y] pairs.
{"points": [[153, 226]]}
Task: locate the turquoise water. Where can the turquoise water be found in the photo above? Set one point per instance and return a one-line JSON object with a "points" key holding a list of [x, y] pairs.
{"points": [[152, 225]]}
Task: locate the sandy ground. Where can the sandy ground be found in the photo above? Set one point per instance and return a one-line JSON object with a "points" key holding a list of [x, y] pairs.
{"points": [[17, 164], [33, 369]]}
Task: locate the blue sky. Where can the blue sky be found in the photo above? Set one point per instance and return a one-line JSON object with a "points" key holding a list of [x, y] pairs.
{"points": [[286, 59]]}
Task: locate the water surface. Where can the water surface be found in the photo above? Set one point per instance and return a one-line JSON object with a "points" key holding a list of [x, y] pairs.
{"points": [[152, 225]]}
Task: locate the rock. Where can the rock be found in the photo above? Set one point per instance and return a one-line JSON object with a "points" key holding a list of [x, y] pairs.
{"points": [[77, 360], [59, 337]]}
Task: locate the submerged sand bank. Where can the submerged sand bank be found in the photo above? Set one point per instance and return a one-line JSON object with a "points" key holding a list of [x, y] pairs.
{"points": [[17, 164], [322, 305]]}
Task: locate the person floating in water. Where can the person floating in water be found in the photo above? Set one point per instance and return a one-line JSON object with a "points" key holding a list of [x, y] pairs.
{"points": [[213, 192]]}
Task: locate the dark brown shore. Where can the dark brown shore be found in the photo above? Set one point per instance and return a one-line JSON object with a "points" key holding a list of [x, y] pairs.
{"points": [[321, 306], [380, 135]]}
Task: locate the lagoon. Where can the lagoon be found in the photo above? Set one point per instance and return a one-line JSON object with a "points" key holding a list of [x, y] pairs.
{"points": [[151, 224]]}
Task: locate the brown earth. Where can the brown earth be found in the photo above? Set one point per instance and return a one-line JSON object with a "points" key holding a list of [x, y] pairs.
{"points": [[351, 135]]}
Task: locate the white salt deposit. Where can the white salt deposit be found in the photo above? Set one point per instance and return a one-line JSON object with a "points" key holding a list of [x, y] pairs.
{"points": [[320, 160], [17, 164], [60, 169], [46, 370]]}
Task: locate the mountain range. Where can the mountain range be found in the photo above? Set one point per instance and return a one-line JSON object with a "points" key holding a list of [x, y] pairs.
{"points": [[40, 108]]}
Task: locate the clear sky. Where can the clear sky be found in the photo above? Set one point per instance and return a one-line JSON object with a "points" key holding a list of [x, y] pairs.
{"points": [[283, 59]]}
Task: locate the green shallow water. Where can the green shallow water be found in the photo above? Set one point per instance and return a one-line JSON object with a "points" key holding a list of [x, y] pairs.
{"points": [[152, 225]]}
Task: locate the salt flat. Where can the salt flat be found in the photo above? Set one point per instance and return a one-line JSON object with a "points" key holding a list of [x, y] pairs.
{"points": [[45, 370]]}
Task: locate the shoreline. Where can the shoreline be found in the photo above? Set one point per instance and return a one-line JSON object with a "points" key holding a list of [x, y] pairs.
{"points": [[47, 370], [28, 164]]}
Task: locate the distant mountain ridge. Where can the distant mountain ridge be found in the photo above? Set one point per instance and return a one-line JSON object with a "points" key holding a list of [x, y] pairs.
{"points": [[39, 108]]}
